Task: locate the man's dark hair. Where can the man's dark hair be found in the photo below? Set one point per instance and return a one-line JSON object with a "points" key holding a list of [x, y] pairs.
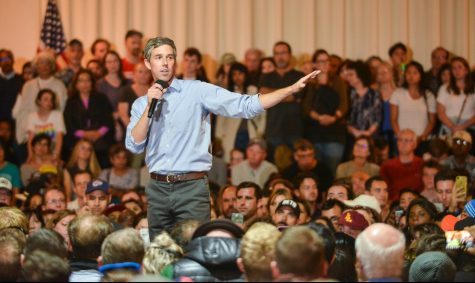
{"points": [[8, 52], [42, 266], [87, 233], [328, 239], [245, 185], [75, 42], [396, 46], [432, 164], [39, 138], [133, 32], [302, 176], [343, 267], [329, 204], [284, 43], [371, 180], [303, 145], [12, 242], [46, 240], [192, 51], [409, 190], [444, 175], [362, 70]]}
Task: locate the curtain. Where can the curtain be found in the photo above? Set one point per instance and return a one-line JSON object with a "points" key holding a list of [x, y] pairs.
{"points": [[349, 28]]}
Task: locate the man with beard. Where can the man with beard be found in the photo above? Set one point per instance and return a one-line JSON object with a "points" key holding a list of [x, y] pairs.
{"points": [[305, 161], [133, 48], [284, 125], [226, 201], [286, 214]]}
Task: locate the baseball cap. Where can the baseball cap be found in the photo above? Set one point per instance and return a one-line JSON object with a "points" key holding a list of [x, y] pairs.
{"points": [[289, 203], [228, 58], [5, 184], [219, 224], [353, 220], [463, 135], [364, 200], [48, 169], [470, 208], [448, 222], [432, 267], [97, 184], [260, 142]]}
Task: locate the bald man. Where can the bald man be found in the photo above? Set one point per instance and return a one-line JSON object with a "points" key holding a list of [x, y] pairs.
{"points": [[380, 254]]}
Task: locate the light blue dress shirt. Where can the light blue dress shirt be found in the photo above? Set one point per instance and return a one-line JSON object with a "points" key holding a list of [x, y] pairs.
{"points": [[179, 139]]}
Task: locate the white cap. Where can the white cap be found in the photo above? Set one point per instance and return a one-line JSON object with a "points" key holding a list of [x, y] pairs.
{"points": [[5, 184], [364, 200]]}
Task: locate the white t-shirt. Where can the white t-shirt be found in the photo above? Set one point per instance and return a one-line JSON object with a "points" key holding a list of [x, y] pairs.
{"points": [[51, 126], [453, 104], [413, 112]]}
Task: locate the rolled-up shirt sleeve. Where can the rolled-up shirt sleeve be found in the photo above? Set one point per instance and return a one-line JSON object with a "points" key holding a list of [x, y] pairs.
{"points": [[136, 112], [230, 104]]}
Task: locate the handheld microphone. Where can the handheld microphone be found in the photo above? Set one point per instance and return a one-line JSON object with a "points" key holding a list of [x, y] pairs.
{"points": [[154, 102]]}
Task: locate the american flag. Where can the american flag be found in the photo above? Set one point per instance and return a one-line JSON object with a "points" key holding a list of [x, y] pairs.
{"points": [[52, 35]]}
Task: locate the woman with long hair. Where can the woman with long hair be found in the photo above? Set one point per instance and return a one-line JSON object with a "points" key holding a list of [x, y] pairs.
{"points": [[88, 115], [82, 157], [456, 100], [413, 105]]}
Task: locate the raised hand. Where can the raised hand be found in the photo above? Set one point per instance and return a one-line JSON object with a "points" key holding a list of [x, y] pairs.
{"points": [[300, 84]]}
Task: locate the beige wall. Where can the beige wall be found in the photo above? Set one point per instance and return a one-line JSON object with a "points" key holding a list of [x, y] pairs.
{"points": [[351, 28]]}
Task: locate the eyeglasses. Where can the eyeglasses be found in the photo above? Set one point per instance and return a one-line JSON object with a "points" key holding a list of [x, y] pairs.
{"points": [[405, 140], [461, 142], [362, 146], [56, 201]]}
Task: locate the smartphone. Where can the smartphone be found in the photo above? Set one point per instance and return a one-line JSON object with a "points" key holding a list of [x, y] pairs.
{"points": [[461, 188], [237, 218], [457, 240], [398, 213]]}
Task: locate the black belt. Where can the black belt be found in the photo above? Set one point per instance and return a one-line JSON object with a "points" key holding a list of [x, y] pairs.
{"points": [[175, 178]]}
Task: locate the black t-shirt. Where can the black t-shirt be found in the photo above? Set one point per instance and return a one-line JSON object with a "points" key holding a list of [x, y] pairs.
{"points": [[127, 94], [9, 90], [284, 119], [325, 101], [324, 175]]}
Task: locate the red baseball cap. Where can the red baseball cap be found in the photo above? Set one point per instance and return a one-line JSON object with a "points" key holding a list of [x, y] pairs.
{"points": [[354, 220]]}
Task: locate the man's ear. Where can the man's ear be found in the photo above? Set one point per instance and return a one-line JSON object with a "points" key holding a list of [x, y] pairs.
{"points": [[240, 265], [275, 270], [99, 261], [22, 260], [147, 64]]}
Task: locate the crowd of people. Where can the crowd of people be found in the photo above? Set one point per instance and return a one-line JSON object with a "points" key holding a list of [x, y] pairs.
{"points": [[367, 174]]}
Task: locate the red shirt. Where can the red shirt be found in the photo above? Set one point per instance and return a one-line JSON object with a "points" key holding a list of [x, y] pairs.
{"points": [[128, 68], [399, 176]]}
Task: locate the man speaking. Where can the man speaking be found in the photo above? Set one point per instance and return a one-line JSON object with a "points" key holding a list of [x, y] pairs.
{"points": [[178, 135]]}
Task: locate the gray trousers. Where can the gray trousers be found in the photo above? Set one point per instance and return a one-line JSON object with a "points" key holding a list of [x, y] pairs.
{"points": [[170, 203]]}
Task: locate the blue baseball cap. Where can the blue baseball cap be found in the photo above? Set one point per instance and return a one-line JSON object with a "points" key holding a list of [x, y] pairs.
{"points": [[97, 184]]}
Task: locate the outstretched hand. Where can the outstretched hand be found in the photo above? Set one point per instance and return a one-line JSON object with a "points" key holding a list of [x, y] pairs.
{"points": [[300, 84]]}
